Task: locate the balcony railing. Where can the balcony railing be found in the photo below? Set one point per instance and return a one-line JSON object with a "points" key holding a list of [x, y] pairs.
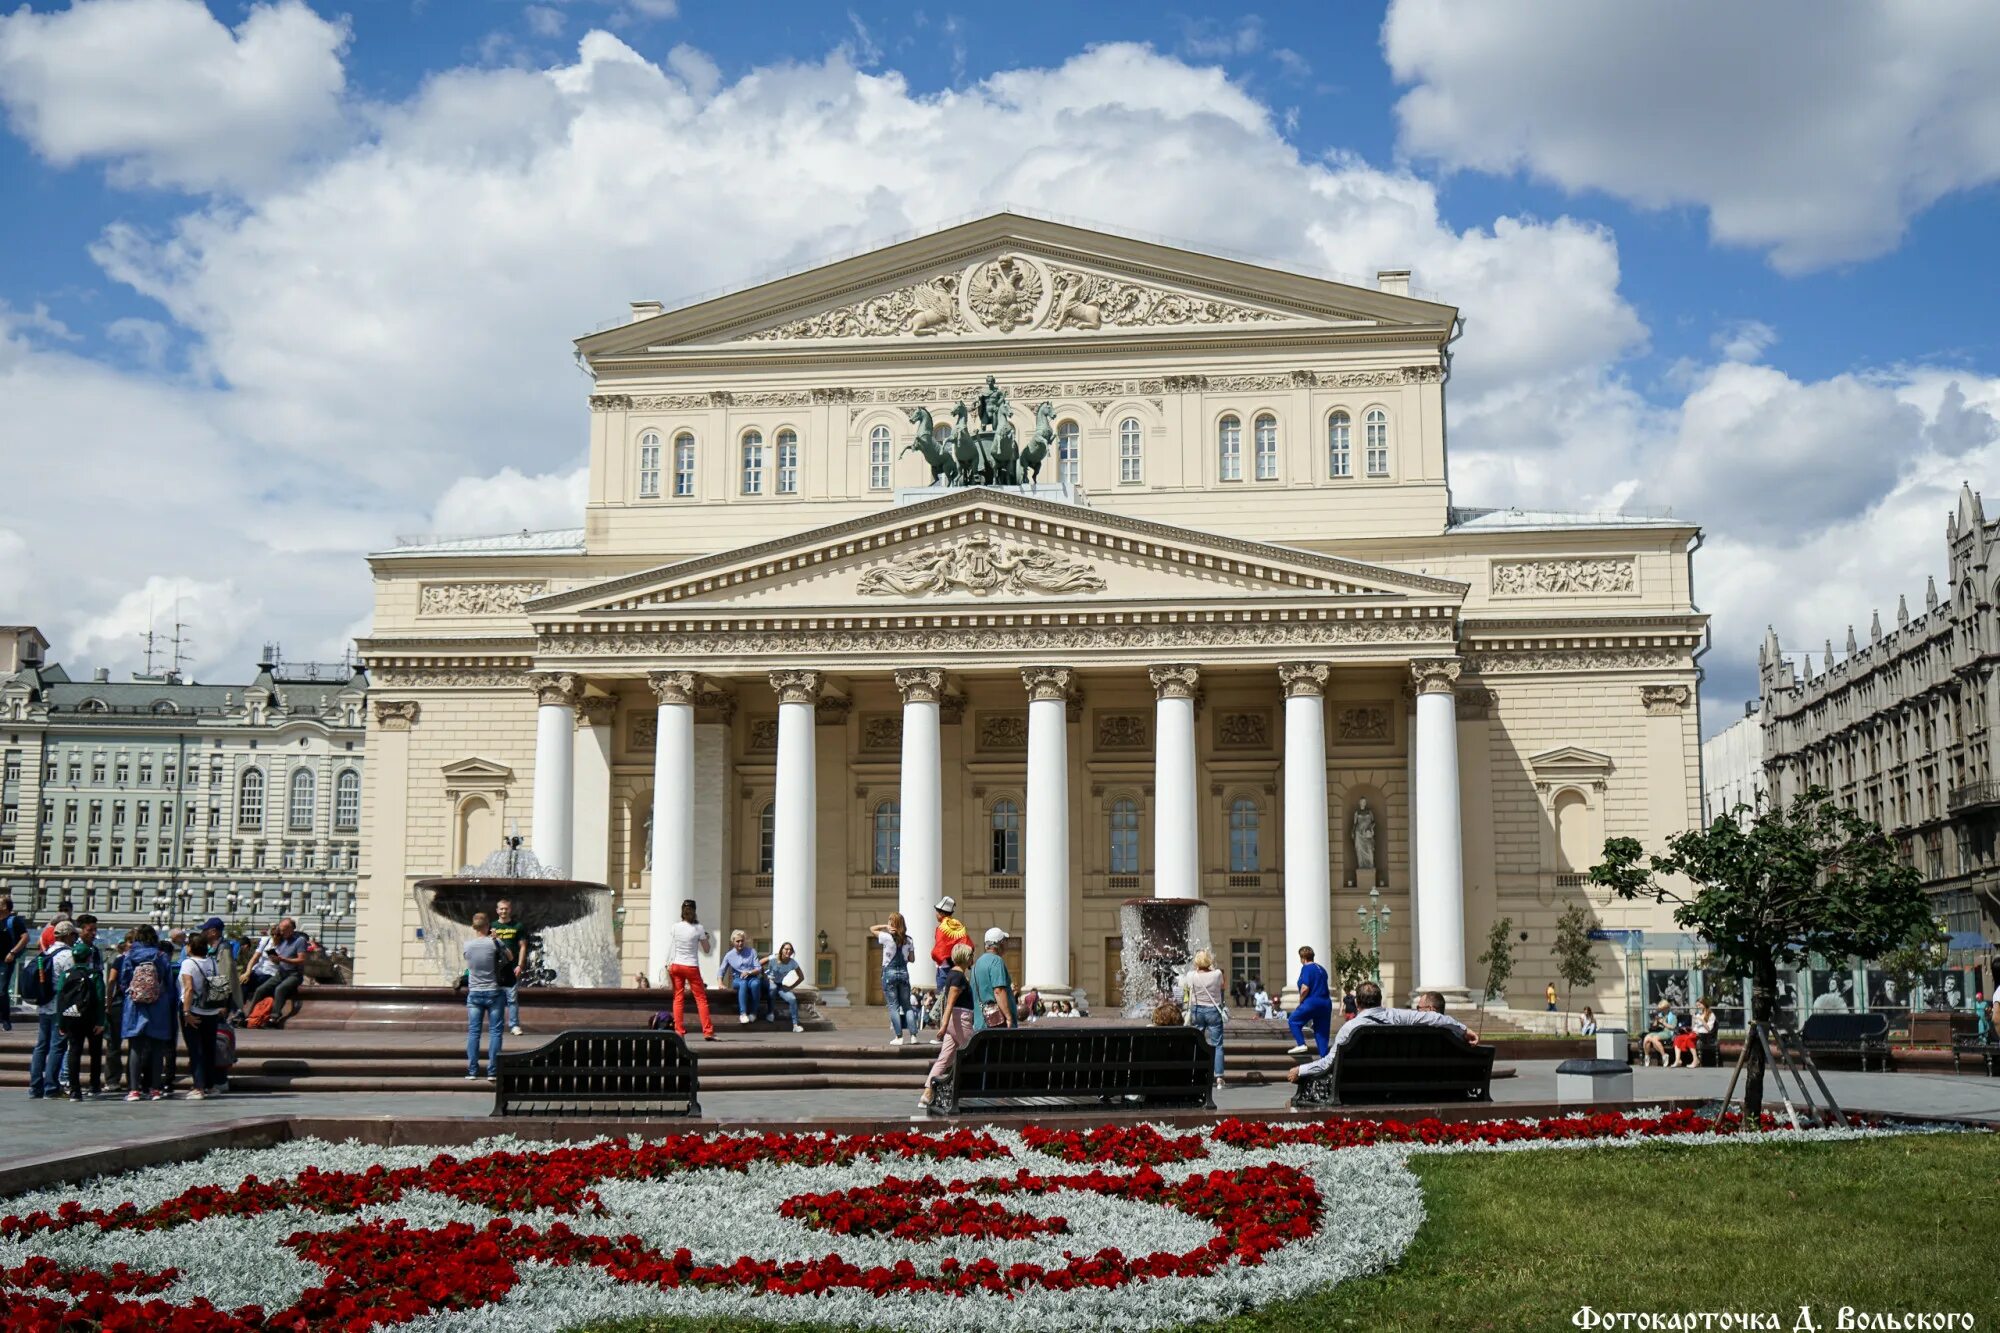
{"points": [[1972, 795], [1570, 881]]}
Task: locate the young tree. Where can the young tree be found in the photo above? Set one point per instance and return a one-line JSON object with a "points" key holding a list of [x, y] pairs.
{"points": [[1353, 965], [1925, 951], [1575, 964], [1498, 958], [1811, 878]]}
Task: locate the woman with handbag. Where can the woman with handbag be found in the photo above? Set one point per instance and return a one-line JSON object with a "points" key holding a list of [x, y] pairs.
{"points": [[1205, 988], [955, 1028], [204, 997], [149, 1016]]}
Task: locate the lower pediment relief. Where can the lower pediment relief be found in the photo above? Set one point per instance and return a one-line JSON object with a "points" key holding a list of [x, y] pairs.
{"points": [[980, 564]]}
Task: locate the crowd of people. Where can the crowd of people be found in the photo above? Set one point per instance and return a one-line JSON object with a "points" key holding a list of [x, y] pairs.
{"points": [[131, 1007], [1677, 1035]]}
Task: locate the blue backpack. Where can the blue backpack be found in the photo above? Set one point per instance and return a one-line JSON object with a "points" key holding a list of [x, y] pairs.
{"points": [[38, 980]]}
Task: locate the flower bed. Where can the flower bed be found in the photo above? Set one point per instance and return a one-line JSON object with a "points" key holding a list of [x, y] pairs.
{"points": [[1123, 1225]]}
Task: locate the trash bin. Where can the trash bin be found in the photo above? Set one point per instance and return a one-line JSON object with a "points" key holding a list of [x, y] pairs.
{"points": [[1614, 1044], [1593, 1082]]}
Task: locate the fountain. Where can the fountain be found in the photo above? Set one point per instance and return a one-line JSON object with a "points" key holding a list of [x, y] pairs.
{"points": [[568, 920], [1161, 937]]}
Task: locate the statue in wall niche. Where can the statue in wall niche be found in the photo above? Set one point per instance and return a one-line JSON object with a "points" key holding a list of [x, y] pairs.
{"points": [[646, 840], [1364, 835]]}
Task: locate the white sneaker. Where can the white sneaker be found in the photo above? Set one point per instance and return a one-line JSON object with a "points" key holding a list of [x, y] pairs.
{"points": [[514, 1031], [197, 1095], [1297, 1050], [797, 1028], [743, 1018]]}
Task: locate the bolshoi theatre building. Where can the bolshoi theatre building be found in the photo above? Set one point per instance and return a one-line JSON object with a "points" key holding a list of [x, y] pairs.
{"points": [[1045, 568]]}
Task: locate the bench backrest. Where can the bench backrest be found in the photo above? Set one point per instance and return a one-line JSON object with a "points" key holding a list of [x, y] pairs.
{"points": [[1058, 1059], [1382, 1063], [1845, 1027], [624, 1071]]}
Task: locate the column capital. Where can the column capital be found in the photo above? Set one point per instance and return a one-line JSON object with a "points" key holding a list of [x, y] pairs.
{"points": [[556, 688], [595, 710], [1179, 680], [798, 687], [1435, 675], [1303, 680], [1664, 700], [1048, 683], [921, 685], [672, 687], [396, 714]]}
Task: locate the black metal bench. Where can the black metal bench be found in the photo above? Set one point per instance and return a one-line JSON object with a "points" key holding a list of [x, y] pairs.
{"points": [[621, 1072], [1059, 1063], [1382, 1065], [1972, 1048], [1858, 1035]]}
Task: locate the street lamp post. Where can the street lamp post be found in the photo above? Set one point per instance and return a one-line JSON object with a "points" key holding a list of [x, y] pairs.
{"points": [[1375, 919]]}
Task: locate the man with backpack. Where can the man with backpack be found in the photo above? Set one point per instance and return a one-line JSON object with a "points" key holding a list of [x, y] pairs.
{"points": [[14, 933], [38, 987], [149, 1015], [80, 1007]]}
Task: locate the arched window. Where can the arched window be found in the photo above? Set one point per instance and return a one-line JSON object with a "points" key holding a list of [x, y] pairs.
{"points": [[880, 460], [1006, 838], [753, 463], [649, 466], [1244, 823], [767, 837], [250, 799], [1339, 445], [347, 799], [788, 463], [888, 838], [1229, 448], [1267, 448], [1378, 442], [1067, 468], [299, 805], [683, 465], [1124, 836], [1131, 462]]}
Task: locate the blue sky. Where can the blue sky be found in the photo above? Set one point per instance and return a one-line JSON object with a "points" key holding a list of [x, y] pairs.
{"points": [[324, 262]]}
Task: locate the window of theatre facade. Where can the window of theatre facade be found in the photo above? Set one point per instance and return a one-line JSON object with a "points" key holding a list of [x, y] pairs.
{"points": [[1232, 641]]}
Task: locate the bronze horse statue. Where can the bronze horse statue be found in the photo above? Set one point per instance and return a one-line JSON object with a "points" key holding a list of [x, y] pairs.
{"points": [[1006, 453], [1036, 452], [944, 467], [974, 458]]}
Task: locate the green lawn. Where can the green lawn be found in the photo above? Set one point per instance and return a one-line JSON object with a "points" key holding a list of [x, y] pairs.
{"points": [[1521, 1241]]}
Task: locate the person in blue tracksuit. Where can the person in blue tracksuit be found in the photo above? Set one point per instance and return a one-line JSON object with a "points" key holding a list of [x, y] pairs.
{"points": [[1315, 1004]]}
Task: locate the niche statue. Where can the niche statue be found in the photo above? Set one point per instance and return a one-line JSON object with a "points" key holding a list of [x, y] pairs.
{"points": [[1364, 835]]}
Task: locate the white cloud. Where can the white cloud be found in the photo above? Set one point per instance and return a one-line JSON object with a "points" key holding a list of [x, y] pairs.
{"points": [[1744, 340], [509, 500], [169, 96], [543, 20], [1816, 131]]}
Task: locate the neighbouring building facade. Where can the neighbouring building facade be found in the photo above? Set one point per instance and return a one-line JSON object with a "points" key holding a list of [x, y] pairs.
{"points": [[160, 800], [1235, 642], [1902, 728], [1732, 766]]}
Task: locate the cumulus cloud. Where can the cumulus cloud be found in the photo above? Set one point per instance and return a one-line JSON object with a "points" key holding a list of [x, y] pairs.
{"points": [[510, 500], [168, 96], [1822, 154]]}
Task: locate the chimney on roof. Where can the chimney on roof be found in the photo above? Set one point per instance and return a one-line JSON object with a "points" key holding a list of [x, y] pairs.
{"points": [[646, 310], [1395, 281], [102, 675]]}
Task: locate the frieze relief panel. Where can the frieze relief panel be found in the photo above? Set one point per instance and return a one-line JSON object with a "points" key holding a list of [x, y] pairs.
{"points": [[762, 735], [979, 564], [476, 599], [1610, 659], [416, 678], [1003, 731], [1243, 729], [882, 731], [1123, 731], [1361, 724], [1539, 578], [643, 732]]}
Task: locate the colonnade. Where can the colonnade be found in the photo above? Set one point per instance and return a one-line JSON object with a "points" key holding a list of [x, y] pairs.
{"points": [[1437, 860]]}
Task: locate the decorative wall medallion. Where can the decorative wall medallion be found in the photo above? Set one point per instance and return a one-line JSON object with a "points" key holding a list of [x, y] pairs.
{"points": [[882, 731], [980, 564], [1361, 723], [476, 599], [1535, 578], [1123, 731], [1006, 293], [1243, 729], [763, 734], [1003, 731]]}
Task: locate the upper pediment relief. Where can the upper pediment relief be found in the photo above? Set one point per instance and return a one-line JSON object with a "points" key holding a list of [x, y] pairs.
{"points": [[1016, 294]]}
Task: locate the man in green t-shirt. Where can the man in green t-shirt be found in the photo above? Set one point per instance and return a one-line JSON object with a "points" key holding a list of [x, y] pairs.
{"points": [[507, 934], [992, 987]]}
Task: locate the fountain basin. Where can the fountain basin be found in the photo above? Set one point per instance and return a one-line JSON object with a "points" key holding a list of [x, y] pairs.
{"points": [[539, 904], [1161, 938]]}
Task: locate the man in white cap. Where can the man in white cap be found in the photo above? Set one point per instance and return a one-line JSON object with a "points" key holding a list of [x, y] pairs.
{"points": [[992, 987]]}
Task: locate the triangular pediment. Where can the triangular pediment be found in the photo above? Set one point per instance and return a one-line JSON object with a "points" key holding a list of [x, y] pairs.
{"points": [[1569, 761], [475, 771], [989, 549], [1009, 278]]}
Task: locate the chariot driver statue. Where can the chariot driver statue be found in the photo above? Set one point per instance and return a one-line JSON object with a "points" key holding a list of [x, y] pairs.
{"points": [[992, 406]]}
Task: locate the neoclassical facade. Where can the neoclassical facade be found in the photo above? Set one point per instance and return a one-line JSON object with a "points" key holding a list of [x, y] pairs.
{"points": [[1233, 642]]}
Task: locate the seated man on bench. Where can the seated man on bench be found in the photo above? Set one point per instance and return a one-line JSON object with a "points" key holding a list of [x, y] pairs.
{"points": [[1372, 1013]]}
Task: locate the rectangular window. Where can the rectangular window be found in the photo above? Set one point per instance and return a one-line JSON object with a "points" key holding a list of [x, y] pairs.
{"points": [[96, 814], [123, 772], [753, 464], [649, 468], [144, 815], [1230, 449], [1378, 444], [117, 853], [1339, 446], [48, 811], [145, 772], [1130, 457], [1267, 449], [1246, 962], [118, 814], [49, 772], [214, 816], [169, 773], [788, 463], [13, 766], [97, 770], [235, 856], [291, 857], [10, 815], [94, 855], [69, 812], [6, 856], [215, 775], [879, 459], [684, 465], [214, 855]]}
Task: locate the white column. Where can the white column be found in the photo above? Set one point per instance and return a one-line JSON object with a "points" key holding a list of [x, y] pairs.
{"points": [[1045, 948], [1414, 926], [1176, 813], [920, 880], [673, 813], [1440, 867], [1308, 869], [794, 850], [555, 727], [591, 858]]}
